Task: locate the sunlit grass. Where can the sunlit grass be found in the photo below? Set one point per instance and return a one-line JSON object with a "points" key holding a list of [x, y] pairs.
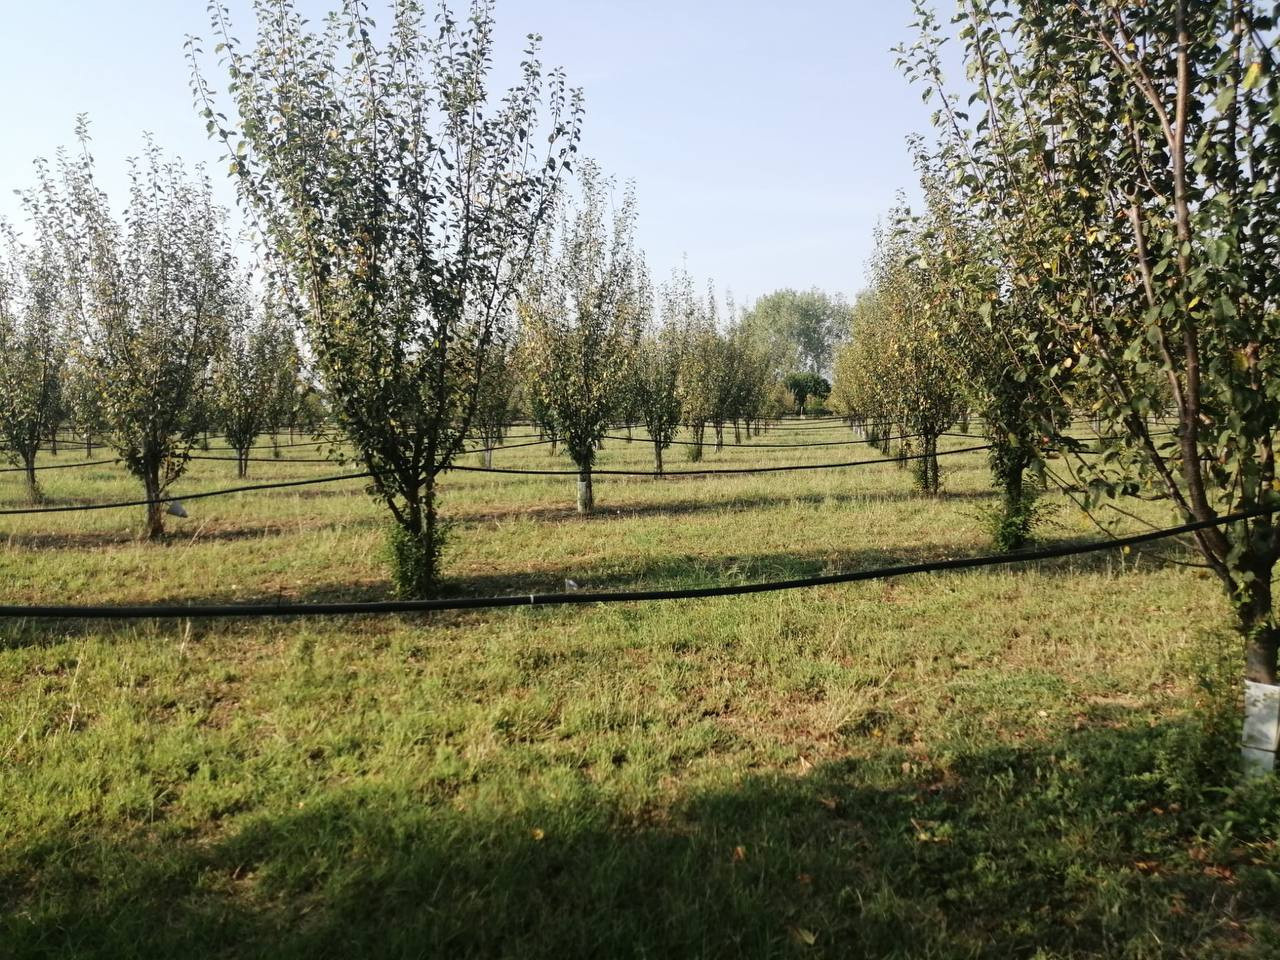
{"points": [[976, 764]]}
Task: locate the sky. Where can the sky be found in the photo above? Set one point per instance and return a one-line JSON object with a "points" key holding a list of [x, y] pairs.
{"points": [[764, 139]]}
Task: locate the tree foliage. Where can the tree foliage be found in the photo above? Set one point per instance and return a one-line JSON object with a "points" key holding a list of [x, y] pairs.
{"points": [[581, 309], [1123, 158], [147, 298], [402, 202], [799, 329], [33, 341], [255, 378]]}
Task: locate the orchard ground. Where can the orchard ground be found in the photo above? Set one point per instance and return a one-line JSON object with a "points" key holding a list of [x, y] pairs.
{"points": [[1037, 760]]}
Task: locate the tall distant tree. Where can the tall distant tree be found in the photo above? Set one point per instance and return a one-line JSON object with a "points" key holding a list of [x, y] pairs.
{"points": [[581, 310], [403, 202], [32, 341], [799, 329], [806, 385], [148, 297]]}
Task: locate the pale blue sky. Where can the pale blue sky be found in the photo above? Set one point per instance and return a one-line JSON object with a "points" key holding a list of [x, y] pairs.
{"points": [[765, 139]]}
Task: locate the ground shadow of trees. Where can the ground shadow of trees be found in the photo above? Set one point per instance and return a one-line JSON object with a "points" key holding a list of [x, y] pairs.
{"points": [[1109, 840]]}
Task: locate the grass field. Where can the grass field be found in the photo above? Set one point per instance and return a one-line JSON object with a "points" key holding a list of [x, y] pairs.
{"points": [[1033, 761]]}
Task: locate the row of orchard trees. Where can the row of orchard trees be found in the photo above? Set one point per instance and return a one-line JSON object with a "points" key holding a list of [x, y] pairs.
{"points": [[1101, 238], [140, 330], [599, 346], [417, 233], [893, 370]]}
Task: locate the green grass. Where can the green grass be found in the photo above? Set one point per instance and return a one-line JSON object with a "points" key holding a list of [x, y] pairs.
{"points": [[1027, 761]]}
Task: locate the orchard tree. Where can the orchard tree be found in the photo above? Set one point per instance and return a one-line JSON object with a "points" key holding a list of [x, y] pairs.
{"points": [[700, 368], [655, 376], [863, 386], [919, 384], [581, 309], [496, 400], [33, 342], [252, 377], [1124, 157], [82, 402], [403, 202], [148, 297]]}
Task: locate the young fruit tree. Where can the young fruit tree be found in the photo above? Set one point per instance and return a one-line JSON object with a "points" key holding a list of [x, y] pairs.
{"points": [[923, 393], [83, 405], [496, 403], [581, 313], [1141, 216], [32, 342], [402, 199], [655, 377], [253, 379], [700, 369], [148, 297]]}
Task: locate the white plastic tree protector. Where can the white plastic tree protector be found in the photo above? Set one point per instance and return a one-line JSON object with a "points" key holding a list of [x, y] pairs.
{"points": [[1261, 735]]}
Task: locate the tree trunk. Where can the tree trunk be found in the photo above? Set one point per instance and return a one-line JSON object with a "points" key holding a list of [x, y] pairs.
{"points": [[488, 457], [88, 446], [629, 438], [697, 431], [53, 442], [33, 486], [1258, 627], [737, 432], [657, 458], [719, 427], [242, 462], [154, 528], [586, 496]]}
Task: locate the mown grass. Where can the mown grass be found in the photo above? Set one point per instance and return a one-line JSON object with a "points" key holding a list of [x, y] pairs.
{"points": [[1026, 761]]}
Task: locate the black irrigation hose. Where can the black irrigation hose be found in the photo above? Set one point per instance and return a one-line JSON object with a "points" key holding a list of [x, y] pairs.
{"points": [[69, 508], [712, 470], [63, 466], [513, 446], [752, 446], [210, 610]]}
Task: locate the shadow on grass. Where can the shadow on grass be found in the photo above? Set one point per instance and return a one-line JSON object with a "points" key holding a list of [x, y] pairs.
{"points": [[678, 507], [1102, 841], [193, 533]]}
